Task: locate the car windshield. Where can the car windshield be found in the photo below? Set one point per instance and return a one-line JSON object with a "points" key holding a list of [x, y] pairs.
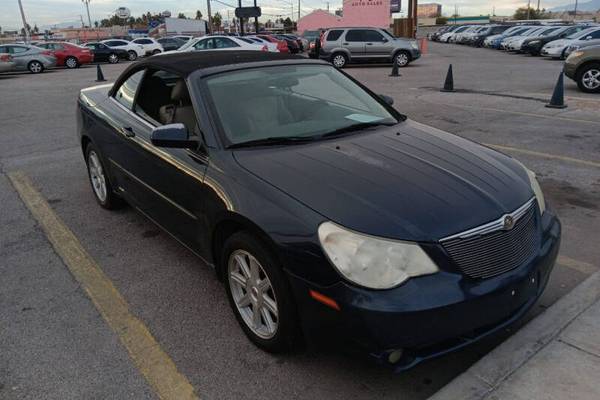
{"points": [[286, 103], [189, 44]]}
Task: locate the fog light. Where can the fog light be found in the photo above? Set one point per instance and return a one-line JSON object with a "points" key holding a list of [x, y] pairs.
{"points": [[395, 356]]}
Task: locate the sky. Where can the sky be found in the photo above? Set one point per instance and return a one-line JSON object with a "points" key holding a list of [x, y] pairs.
{"points": [[49, 12]]}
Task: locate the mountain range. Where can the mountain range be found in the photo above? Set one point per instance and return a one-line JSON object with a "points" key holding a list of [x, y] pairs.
{"points": [[592, 5]]}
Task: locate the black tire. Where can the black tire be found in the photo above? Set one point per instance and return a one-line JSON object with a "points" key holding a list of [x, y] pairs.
{"points": [[584, 72], [156, 51], [339, 60], [287, 335], [113, 58], [35, 67], [71, 62], [111, 201], [132, 55], [402, 58]]}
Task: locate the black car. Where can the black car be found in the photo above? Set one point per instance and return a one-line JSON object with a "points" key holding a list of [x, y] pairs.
{"points": [[534, 45], [478, 39], [104, 53], [169, 43], [328, 215]]}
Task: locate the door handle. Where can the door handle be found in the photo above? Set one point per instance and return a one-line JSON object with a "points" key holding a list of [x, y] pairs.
{"points": [[369, 44], [129, 132], [344, 44]]}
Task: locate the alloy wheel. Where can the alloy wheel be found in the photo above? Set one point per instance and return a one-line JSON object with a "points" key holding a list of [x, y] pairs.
{"points": [[591, 79], [71, 62], [253, 294], [113, 58], [36, 67], [132, 55], [401, 59], [339, 61], [97, 176]]}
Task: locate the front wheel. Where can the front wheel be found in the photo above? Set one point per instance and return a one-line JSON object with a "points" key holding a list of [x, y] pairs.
{"points": [[156, 51], [259, 294], [402, 58], [103, 191], [35, 67], [132, 55], [339, 60], [113, 58], [588, 78]]}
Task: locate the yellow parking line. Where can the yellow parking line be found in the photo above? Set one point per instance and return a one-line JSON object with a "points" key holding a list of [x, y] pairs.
{"points": [[580, 266], [154, 364], [544, 155]]}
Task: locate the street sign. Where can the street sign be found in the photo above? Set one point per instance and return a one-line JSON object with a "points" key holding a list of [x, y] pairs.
{"points": [[247, 12]]}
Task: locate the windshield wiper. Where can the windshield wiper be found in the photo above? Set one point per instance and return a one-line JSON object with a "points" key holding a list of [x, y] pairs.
{"points": [[354, 128], [272, 141]]}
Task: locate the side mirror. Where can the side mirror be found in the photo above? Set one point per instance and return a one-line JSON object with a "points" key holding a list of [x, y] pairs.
{"points": [[172, 135], [387, 99], [588, 37], [384, 40]]}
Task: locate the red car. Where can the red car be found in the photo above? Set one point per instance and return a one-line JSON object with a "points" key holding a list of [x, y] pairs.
{"points": [[281, 45], [68, 54]]}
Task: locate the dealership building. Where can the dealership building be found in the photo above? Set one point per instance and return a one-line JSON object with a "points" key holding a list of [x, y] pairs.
{"points": [[376, 13]]}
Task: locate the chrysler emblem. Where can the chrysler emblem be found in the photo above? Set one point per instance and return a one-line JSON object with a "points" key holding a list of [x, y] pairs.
{"points": [[509, 222]]}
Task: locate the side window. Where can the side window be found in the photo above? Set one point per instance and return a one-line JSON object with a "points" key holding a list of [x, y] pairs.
{"points": [[18, 49], [223, 43], [595, 35], [204, 44], [334, 35], [101, 46], [126, 93], [355, 35], [373, 36], [144, 41], [3, 50], [58, 47]]}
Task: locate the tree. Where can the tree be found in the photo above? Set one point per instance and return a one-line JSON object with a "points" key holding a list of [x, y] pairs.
{"points": [[198, 14], [181, 16], [441, 20], [36, 29], [521, 14], [217, 19], [96, 24]]}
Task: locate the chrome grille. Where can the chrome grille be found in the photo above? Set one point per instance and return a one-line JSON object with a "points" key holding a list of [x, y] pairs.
{"points": [[493, 253]]}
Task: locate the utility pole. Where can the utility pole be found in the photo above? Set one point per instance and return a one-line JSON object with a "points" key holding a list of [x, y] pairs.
{"points": [[327, 6], [82, 24], [574, 12], [528, 9], [255, 21], [25, 28], [241, 19], [209, 16], [298, 10], [87, 7], [538, 6]]}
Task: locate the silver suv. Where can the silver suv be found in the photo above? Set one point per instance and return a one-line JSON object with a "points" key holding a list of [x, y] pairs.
{"points": [[344, 45]]}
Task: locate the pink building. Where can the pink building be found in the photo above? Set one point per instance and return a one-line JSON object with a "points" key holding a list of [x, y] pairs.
{"points": [[374, 13]]}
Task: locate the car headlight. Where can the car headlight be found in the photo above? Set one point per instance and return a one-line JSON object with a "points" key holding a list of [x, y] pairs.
{"points": [[535, 42], [373, 262], [576, 54], [414, 44], [535, 186]]}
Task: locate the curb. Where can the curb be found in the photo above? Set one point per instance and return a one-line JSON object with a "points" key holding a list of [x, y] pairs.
{"points": [[488, 373]]}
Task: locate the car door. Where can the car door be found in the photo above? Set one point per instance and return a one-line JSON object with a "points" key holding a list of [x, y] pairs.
{"points": [[59, 51], [166, 184], [354, 42], [376, 45], [101, 53], [20, 55]]}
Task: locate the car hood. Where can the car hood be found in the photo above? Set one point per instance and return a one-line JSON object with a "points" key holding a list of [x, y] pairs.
{"points": [[407, 182], [560, 42]]}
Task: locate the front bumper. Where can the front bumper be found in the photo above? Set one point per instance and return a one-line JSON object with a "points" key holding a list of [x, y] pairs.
{"points": [[415, 54], [532, 48], [570, 69], [430, 315], [552, 52]]}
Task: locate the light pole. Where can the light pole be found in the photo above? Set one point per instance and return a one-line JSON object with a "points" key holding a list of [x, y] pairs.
{"points": [[87, 7], [25, 27]]}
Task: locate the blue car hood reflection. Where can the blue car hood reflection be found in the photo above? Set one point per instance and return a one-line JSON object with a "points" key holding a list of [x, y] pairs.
{"points": [[407, 182]]}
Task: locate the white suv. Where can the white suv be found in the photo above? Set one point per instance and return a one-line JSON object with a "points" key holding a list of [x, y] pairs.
{"points": [[134, 50], [149, 45]]}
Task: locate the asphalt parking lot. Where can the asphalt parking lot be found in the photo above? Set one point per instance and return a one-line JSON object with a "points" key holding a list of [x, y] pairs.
{"points": [[55, 344]]}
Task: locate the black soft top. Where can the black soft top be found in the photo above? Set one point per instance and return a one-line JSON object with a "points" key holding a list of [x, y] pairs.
{"points": [[185, 63]]}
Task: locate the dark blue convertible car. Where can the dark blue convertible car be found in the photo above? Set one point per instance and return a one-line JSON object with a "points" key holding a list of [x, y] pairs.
{"points": [[329, 216]]}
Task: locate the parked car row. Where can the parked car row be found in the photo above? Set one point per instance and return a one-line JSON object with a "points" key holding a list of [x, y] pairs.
{"points": [[557, 41]]}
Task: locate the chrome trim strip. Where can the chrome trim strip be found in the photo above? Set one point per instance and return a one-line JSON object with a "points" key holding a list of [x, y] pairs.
{"points": [[162, 196], [493, 226]]}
